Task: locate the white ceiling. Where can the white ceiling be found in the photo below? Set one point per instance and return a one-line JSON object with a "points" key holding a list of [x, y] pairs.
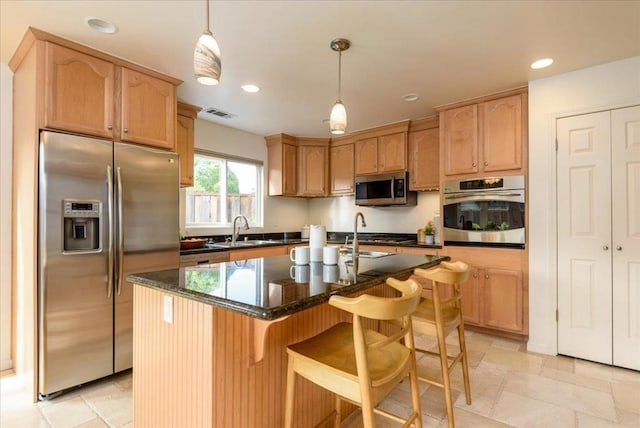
{"points": [[444, 51]]}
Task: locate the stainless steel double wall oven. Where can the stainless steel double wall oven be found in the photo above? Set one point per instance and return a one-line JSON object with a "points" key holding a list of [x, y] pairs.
{"points": [[488, 211]]}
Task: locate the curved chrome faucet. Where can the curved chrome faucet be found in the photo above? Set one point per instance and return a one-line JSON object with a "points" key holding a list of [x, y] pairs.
{"points": [[355, 245], [234, 235]]}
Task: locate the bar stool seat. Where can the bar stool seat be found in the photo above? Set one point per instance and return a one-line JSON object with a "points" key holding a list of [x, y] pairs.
{"points": [[441, 316], [361, 365]]}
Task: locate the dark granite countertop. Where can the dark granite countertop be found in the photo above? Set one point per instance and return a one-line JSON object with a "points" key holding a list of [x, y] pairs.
{"points": [[266, 288], [374, 239]]}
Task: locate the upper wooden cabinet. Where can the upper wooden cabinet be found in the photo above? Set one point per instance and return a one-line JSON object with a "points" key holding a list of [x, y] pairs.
{"points": [[484, 137], [88, 92], [282, 165], [148, 110], [342, 167], [185, 128], [313, 171], [79, 94], [382, 149], [423, 157]]}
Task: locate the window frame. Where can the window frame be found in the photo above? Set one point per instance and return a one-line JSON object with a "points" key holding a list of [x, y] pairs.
{"points": [[217, 229]]}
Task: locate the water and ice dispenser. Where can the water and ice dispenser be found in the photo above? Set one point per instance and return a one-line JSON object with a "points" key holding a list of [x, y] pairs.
{"points": [[82, 220]]}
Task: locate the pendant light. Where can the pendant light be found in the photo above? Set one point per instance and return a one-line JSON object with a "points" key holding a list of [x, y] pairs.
{"points": [[206, 57], [338, 118]]}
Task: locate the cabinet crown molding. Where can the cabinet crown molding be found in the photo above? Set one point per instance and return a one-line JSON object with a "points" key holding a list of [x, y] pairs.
{"points": [[32, 34], [281, 138], [392, 128], [186, 109], [476, 100]]}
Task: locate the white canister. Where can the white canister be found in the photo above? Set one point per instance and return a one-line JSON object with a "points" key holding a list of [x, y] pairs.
{"points": [[304, 234], [317, 236]]}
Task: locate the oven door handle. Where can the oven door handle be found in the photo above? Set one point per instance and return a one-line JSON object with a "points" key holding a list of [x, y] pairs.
{"points": [[472, 195]]}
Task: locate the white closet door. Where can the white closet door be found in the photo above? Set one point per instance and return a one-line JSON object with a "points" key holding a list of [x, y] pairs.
{"points": [[625, 140], [584, 237]]}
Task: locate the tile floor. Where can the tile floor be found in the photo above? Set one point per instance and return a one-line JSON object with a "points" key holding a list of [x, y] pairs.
{"points": [[509, 386]]}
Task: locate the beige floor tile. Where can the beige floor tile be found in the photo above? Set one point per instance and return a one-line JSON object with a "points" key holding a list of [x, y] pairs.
{"points": [[587, 382], [590, 421], [112, 404], [94, 423], [514, 360], [433, 403], [466, 419], [563, 394], [68, 413], [605, 372], [626, 396], [559, 362], [18, 411], [510, 345], [124, 381], [486, 385], [523, 412]]}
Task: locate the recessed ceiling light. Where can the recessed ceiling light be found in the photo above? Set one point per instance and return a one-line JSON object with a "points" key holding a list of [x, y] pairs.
{"points": [[250, 88], [410, 97], [541, 63], [100, 25]]}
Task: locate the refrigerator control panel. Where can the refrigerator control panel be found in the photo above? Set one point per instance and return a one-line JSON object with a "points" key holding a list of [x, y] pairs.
{"points": [[81, 208]]}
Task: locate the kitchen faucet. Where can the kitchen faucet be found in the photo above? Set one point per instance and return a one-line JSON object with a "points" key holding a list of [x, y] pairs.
{"points": [[355, 244], [234, 235]]}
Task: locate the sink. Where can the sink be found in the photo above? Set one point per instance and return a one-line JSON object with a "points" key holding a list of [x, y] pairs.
{"points": [[366, 254], [247, 243]]}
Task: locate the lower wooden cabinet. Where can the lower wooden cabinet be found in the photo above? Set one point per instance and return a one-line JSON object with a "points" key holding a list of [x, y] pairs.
{"points": [[495, 296]]}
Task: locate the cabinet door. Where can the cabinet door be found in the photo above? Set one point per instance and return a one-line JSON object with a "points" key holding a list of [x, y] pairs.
{"points": [[313, 170], [148, 110], [501, 133], [471, 297], [342, 175], [392, 152], [423, 159], [460, 140], [502, 295], [184, 135], [79, 92], [290, 169], [366, 156]]}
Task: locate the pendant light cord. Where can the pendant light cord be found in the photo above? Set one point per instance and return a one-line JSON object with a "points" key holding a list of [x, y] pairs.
{"points": [[208, 31], [340, 76]]}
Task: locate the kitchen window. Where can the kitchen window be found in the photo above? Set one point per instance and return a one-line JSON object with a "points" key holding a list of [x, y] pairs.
{"points": [[223, 187]]}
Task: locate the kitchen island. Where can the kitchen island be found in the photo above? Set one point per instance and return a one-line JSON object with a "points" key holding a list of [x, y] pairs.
{"points": [[210, 340]]}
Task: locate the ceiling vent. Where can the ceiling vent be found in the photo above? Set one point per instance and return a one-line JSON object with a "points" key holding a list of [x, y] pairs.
{"points": [[219, 113]]}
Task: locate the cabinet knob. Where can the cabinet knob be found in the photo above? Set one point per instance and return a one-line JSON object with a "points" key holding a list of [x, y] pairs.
{"points": [[486, 276], [486, 163], [473, 164], [619, 248], [125, 130], [605, 247], [475, 275], [109, 127]]}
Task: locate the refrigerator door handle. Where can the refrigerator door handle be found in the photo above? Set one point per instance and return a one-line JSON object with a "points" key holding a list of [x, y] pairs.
{"points": [[120, 230], [111, 230]]}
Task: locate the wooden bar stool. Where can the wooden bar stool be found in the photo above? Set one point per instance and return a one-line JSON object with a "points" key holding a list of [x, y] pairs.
{"points": [[439, 317], [360, 365]]}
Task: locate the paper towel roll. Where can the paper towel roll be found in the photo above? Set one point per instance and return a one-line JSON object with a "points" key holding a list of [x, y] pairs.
{"points": [[317, 236]]}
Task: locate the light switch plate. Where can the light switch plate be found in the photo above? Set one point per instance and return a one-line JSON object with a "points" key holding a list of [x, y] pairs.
{"points": [[167, 312]]}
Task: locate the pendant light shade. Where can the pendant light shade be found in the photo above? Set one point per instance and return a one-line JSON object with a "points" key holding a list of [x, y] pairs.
{"points": [[206, 57], [338, 118]]}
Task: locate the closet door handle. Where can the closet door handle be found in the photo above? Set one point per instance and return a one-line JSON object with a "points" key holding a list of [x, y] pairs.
{"points": [[619, 248], [605, 247]]}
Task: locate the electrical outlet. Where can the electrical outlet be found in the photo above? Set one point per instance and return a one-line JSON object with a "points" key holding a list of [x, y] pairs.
{"points": [[167, 312]]}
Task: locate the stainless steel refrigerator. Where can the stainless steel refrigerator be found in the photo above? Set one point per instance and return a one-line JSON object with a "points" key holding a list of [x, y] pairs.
{"points": [[106, 210]]}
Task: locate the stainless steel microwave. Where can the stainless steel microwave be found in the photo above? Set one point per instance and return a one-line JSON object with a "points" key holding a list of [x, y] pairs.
{"points": [[384, 190]]}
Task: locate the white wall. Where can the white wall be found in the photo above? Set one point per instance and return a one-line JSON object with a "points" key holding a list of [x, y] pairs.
{"points": [[280, 214], [6, 92], [337, 214], [597, 88]]}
